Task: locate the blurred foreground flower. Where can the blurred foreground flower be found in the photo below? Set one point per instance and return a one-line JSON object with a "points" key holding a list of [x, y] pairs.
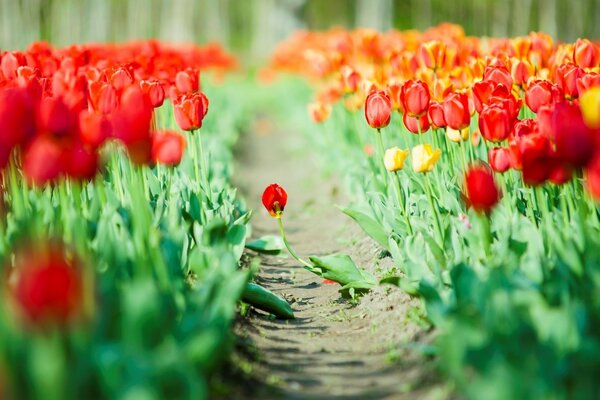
{"points": [[482, 193], [590, 107], [46, 286], [167, 147]]}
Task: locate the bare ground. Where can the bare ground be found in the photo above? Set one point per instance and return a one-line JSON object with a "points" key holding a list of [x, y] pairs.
{"points": [[334, 349]]}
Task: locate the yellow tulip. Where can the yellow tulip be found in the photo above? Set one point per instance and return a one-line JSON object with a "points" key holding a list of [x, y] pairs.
{"points": [[394, 159], [590, 107], [424, 157], [457, 136]]}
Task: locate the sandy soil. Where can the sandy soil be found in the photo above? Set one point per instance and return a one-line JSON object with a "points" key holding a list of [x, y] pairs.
{"points": [[334, 349]]}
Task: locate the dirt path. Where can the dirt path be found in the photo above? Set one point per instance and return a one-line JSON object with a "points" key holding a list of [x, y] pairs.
{"points": [[333, 349]]}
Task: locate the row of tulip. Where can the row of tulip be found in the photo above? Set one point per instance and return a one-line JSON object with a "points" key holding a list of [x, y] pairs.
{"points": [[119, 250], [495, 224]]}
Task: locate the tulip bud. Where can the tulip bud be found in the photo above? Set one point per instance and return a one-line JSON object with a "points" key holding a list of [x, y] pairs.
{"points": [[456, 111], [424, 157], [415, 98], [500, 159], [541, 93], [394, 159], [154, 91], [586, 54], [494, 123], [456, 136], [190, 110], [378, 109], [436, 115], [482, 193], [274, 199], [499, 74]]}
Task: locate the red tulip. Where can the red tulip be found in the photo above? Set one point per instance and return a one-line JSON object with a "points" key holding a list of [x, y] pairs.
{"points": [[537, 159], [575, 141], [544, 121], [44, 160], [82, 163], [494, 123], [47, 287], [10, 63], [482, 91], [274, 199], [482, 193], [521, 71], [416, 124], [586, 82], [94, 129], [586, 54], [499, 74], [378, 109], [436, 115], [456, 111], [500, 159], [190, 111], [566, 77], [503, 97], [103, 97], [55, 117], [167, 147], [592, 174], [541, 93], [187, 81], [415, 97], [17, 117], [121, 79], [154, 91], [132, 119]]}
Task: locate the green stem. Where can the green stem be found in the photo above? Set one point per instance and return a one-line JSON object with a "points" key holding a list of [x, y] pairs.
{"points": [[204, 171], [195, 158], [381, 153], [289, 248], [486, 233], [438, 225], [402, 202]]}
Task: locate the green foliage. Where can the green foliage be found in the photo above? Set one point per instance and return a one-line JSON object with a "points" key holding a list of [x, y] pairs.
{"points": [[162, 263]]}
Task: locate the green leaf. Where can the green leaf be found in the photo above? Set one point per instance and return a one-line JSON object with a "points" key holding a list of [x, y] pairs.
{"points": [[342, 269], [269, 244], [265, 300], [369, 225]]}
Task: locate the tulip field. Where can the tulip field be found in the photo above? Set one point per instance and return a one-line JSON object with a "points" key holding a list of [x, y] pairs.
{"points": [[130, 266]]}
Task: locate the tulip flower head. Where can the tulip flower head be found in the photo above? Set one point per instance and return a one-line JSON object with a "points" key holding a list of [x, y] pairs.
{"points": [[500, 159], [167, 147], [590, 107], [424, 157], [47, 287], [378, 109], [457, 136], [482, 193], [394, 159], [274, 199]]}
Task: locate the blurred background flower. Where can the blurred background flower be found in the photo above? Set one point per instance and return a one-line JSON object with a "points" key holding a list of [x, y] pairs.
{"points": [[253, 28]]}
